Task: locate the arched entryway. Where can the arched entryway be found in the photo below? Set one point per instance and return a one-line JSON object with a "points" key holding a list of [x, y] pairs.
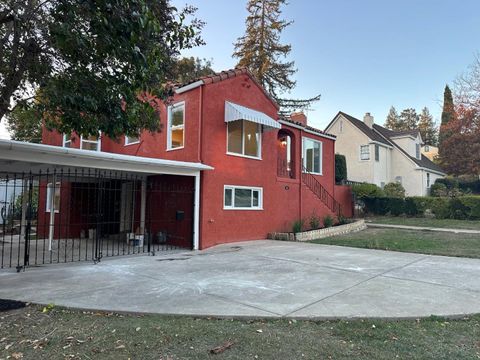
{"points": [[285, 162]]}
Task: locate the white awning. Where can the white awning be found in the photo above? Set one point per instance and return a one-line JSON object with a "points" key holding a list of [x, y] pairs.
{"points": [[234, 112]]}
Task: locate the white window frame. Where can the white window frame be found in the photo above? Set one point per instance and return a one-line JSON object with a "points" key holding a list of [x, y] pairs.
{"points": [[429, 180], [304, 157], [48, 202], [98, 142], [128, 142], [169, 125], [376, 149], [418, 151], [259, 152], [65, 141], [252, 188], [360, 152]]}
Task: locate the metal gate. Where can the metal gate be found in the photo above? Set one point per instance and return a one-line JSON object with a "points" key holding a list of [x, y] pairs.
{"points": [[72, 215]]}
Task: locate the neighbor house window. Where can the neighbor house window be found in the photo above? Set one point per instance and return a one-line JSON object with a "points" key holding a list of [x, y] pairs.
{"points": [[417, 150], [377, 152], [67, 140], [398, 179], [365, 152], [341, 126], [244, 138], [53, 199], [176, 126], [129, 140], [427, 148], [312, 156], [91, 142], [242, 198], [428, 180]]}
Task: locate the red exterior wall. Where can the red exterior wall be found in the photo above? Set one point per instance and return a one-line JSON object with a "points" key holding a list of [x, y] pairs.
{"points": [[343, 194], [284, 200]]}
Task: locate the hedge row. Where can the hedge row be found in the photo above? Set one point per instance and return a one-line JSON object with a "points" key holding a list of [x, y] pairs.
{"points": [[463, 208], [464, 185]]}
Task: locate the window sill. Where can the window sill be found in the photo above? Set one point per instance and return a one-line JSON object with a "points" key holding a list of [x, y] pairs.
{"points": [[243, 209], [312, 173], [244, 156], [56, 211], [132, 143], [174, 149]]}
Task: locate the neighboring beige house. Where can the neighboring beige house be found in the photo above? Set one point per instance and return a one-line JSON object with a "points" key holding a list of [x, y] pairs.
{"points": [[430, 151], [379, 156]]}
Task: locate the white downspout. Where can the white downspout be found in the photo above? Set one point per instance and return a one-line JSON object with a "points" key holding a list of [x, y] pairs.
{"points": [[52, 214], [23, 225], [143, 204], [196, 213]]}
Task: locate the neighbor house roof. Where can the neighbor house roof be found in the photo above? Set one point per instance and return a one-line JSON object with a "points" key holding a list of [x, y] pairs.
{"points": [[382, 135]]}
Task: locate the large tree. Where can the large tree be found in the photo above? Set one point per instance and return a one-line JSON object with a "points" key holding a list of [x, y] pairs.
{"points": [[409, 119], [393, 120], [448, 116], [189, 68], [91, 60], [427, 128], [261, 51]]}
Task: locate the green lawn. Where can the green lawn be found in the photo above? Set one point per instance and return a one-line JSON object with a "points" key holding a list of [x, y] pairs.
{"points": [[425, 242], [439, 223], [68, 334]]}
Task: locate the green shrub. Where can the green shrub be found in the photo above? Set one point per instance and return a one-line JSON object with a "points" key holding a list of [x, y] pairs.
{"points": [[438, 189], [328, 221], [342, 220], [471, 206], [340, 168], [298, 226], [396, 206], [449, 182], [440, 208], [394, 190], [314, 222], [413, 207], [366, 190]]}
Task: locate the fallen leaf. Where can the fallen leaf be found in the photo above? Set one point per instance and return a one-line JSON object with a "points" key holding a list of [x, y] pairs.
{"points": [[17, 355], [8, 346], [220, 349], [137, 329], [259, 331], [120, 347]]}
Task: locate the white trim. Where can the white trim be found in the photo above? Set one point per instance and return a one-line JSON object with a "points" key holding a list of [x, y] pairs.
{"points": [[430, 170], [304, 157], [169, 125], [380, 144], [50, 198], [64, 141], [235, 112], [196, 213], [252, 188], [283, 122], [403, 136], [35, 156], [127, 143], [259, 157], [189, 87]]}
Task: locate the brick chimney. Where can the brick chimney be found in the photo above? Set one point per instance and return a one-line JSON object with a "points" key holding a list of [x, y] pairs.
{"points": [[299, 117], [368, 120]]}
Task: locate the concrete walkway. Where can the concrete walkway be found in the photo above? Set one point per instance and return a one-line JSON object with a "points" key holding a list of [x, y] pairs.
{"points": [[422, 228], [261, 279]]}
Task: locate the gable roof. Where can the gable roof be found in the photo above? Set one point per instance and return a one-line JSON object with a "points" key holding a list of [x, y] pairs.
{"points": [[224, 75], [287, 119], [383, 135]]}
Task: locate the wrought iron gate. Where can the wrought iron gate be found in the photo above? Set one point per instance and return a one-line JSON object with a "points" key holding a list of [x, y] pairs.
{"points": [[72, 215]]}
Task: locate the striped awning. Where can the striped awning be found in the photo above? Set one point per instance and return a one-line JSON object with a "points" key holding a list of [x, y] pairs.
{"points": [[234, 112]]}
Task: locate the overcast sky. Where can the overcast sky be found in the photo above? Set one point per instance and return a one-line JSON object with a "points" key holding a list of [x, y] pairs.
{"points": [[362, 56]]}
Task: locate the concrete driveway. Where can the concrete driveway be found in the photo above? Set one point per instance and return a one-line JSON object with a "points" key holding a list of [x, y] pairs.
{"points": [[261, 279]]}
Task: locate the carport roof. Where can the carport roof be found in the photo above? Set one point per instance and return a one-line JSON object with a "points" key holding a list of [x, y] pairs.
{"points": [[18, 156]]}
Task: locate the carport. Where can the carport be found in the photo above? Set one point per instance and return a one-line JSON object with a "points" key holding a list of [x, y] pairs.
{"points": [[63, 204]]}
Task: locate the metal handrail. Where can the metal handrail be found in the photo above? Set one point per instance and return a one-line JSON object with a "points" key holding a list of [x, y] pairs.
{"points": [[319, 190]]}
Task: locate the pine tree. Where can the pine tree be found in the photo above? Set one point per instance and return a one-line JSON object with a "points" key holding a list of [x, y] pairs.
{"points": [[427, 127], [448, 115], [408, 119], [393, 120], [262, 53]]}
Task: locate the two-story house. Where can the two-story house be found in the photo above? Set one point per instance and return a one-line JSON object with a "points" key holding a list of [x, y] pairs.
{"points": [[379, 156], [260, 172]]}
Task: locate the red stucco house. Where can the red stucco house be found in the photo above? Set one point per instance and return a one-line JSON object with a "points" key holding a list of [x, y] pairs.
{"points": [[260, 172]]}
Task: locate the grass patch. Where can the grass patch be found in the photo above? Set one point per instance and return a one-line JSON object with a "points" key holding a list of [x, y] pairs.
{"points": [[63, 333], [427, 222], [424, 242]]}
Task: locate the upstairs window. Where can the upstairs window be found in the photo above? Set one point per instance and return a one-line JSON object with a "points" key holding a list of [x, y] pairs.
{"points": [[365, 152], [377, 152], [312, 156], [130, 140], [90, 143], [67, 140], [244, 138], [242, 198], [417, 151], [176, 126]]}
